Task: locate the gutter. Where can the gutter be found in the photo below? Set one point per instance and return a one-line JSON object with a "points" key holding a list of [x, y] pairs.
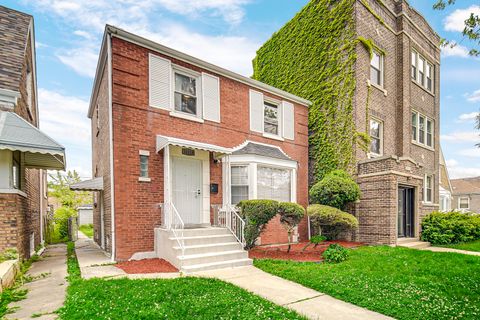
{"points": [[110, 120]]}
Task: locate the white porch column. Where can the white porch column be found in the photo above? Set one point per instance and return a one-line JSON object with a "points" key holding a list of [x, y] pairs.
{"points": [[227, 199], [166, 186]]}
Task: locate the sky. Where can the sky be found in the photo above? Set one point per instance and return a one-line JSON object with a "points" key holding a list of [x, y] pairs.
{"points": [[224, 32]]}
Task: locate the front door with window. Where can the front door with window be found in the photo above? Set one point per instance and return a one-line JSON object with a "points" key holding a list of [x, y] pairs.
{"points": [[187, 189], [406, 212]]}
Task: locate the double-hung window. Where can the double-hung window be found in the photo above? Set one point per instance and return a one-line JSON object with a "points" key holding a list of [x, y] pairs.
{"points": [[186, 99], [16, 173], [464, 203], [376, 136], [422, 129], [239, 183], [422, 71], [376, 68], [428, 189], [270, 119], [273, 183]]}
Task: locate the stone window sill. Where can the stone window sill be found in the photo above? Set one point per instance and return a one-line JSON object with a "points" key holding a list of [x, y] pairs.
{"points": [[144, 179], [14, 191]]}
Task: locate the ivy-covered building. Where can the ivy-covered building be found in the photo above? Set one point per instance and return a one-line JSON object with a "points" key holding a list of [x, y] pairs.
{"points": [[371, 69]]}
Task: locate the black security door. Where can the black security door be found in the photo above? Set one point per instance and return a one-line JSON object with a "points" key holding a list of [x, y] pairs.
{"points": [[405, 212]]}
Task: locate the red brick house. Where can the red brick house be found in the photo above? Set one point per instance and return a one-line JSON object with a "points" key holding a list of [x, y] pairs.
{"points": [[25, 151], [176, 142]]}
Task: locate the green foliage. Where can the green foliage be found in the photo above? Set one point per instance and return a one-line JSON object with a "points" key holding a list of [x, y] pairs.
{"points": [[434, 285], [290, 216], [313, 56], [335, 253], [317, 239], [9, 254], [330, 221], [73, 268], [59, 187], [451, 227], [62, 215], [87, 229], [256, 213], [336, 189]]}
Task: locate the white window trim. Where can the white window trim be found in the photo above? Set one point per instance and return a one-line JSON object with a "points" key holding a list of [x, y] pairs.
{"points": [[278, 103], [199, 93], [144, 153], [382, 70], [468, 203], [417, 128], [418, 56], [373, 154], [252, 161], [425, 200]]}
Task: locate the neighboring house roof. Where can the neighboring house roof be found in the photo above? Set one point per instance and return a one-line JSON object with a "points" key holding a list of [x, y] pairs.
{"points": [[14, 29], [262, 150], [41, 151], [466, 186], [95, 184]]}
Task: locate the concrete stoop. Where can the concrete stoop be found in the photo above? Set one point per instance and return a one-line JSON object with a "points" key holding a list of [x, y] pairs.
{"points": [[204, 249], [412, 243]]}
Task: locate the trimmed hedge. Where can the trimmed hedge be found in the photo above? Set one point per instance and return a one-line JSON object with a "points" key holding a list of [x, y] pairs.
{"points": [[256, 213], [330, 221], [337, 189], [451, 227]]}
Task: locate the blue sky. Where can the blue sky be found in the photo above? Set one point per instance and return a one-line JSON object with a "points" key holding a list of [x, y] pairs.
{"points": [[224, 32]]}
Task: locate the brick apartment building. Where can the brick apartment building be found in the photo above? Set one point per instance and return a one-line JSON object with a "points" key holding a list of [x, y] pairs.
{"points": [[25, 152], [174, 137], [466, 194], [399, 174]]}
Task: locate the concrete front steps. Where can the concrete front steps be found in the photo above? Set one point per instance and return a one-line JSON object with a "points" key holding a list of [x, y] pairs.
{"points": [[412, 243], [204, 249]]}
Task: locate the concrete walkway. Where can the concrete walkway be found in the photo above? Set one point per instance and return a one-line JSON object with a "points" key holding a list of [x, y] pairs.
{"points": [[94, 263], [441, 249], [308, 302], [47, 293]]}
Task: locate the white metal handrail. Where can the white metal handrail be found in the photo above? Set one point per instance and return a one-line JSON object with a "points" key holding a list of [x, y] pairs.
{"points": [[174, 223], [228, 217]]}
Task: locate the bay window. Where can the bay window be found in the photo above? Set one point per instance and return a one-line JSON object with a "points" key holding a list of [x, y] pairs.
{"points": [[16, 173], [273, 183], [239, 183]]}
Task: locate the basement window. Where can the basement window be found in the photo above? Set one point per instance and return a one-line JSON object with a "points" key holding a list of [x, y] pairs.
{"points": [[144, 155]]}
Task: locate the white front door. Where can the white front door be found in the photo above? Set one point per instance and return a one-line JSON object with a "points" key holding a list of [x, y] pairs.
{"points": [[187, 189]]}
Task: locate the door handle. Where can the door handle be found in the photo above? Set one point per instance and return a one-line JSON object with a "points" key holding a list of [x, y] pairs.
{"points": [[198, 192]]}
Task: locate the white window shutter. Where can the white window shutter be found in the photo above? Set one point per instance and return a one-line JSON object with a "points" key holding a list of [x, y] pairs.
{"points": [[256, 111], [159, 82], [211, 97], [288, 120]]}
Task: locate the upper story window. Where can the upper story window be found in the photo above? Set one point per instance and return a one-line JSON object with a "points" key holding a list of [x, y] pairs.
{"points": [[422, 129], [428, 189], [376, 137], [239, 183], [185, 93], [423, 71], [376, 68], [270, 113], [464, 203]]}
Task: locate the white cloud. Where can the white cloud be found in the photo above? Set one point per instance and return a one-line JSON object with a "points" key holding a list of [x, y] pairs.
{"points": [[468, 117], [83, 60], [83, 34], [470, 153], [456, 170], [474, 96], [64, 118], [462, 136], [456, 20], [455, 51]]}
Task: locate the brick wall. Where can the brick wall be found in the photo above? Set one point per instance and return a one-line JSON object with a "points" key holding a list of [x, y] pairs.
{"points": [[136, 125]]}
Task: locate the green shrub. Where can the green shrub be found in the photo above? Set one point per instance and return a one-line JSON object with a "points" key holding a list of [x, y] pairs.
{"points": [[336, 189], [256, 213], [330, 222], [335, 253], [9, 254], [316, 240], [290, 216], [62, 215], [451, 227]]}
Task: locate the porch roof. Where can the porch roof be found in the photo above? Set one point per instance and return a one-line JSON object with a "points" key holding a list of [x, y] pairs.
{"points": [[163, 141], [41, 151], [95, 184]]}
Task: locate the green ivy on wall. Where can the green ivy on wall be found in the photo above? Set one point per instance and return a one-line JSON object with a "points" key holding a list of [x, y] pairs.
{"points": [[313, 56]]}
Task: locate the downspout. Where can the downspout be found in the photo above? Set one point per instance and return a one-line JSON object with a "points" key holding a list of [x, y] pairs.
{"points": [[110, 116]]}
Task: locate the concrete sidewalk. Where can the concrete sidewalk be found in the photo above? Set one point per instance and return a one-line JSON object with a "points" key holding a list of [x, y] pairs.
{"points": [[308, 302], [441, 249], [47, 293]]}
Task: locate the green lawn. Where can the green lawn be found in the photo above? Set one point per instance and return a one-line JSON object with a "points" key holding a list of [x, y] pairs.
{"points": [[470, 246], [399, 282], [87, 229], [182, 298]]}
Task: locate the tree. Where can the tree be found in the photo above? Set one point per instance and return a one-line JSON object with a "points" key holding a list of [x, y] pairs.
{"points": [[471, 30], [290, 216], [59, 187]]}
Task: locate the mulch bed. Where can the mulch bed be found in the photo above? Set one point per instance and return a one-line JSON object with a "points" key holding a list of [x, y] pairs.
{"points": [[146, 266], [298, 252]]}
